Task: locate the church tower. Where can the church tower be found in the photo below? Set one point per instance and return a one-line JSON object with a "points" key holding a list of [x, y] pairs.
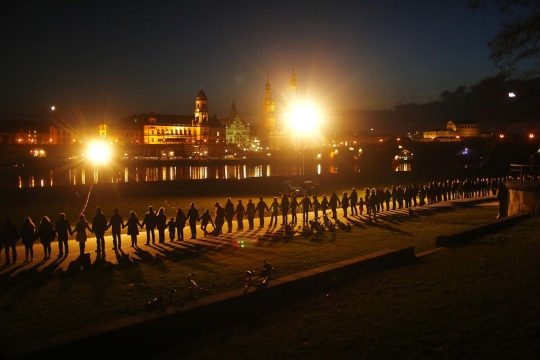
{"points": [[268, 117], [293, 88], [201, 110]]}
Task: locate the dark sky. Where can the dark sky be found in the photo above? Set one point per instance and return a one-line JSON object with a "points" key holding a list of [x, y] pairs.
{"points": [[108, 59]]}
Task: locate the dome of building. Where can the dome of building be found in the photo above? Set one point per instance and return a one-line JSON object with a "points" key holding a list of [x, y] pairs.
{"points": [[201, 95]]}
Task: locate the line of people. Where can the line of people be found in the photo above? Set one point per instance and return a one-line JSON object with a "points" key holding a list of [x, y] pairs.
{"points": [[374, 201]]}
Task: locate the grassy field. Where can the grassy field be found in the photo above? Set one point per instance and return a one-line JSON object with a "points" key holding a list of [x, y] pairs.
{"points": [[479, 301], [50, 302]]}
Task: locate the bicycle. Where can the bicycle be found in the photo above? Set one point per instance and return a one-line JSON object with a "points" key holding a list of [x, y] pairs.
{"points": [[157, 302]]}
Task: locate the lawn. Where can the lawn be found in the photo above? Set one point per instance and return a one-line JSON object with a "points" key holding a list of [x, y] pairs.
{"points": [[51, 302], [478, 301]]}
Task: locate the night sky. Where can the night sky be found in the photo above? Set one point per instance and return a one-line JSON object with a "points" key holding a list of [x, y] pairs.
{"points": [[104, 60]]}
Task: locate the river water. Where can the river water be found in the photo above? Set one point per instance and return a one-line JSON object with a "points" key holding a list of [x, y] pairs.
{"points": [[21, 176]]}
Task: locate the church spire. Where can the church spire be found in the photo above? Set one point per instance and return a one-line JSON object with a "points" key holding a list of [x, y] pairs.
{"points": [[293, 86]]}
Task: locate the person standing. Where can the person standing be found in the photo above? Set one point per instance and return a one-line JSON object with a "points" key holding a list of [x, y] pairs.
{"points": [[117, 224], [150, 222], [180, 223], [261, 208], [305, 204], [99, 226], [345, 203], [284, 206], [240, 212], [161, 224], [80, 228], [9, 234], [333, 202], [220, 219], [274, 208], [387, 197], [193, 217], [46, 235], [354, 200], [171, 225], [229, 213], [324, 204], [28, 235], [293, 206], [133, 226], [62, 229], [250, 213], [316, 206]]}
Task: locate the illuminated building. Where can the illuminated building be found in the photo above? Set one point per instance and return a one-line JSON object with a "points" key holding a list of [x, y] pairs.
{"points": [[237, 130], [455, 130]]}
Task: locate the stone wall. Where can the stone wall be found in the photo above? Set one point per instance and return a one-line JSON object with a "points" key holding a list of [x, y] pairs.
{"points": [[523, 198]]}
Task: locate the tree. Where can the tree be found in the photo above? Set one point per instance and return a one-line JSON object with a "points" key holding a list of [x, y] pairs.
{"points": [[519, 38]]}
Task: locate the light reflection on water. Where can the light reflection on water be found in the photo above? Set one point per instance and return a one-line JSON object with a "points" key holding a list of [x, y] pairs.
{"points": [[43, 177]]}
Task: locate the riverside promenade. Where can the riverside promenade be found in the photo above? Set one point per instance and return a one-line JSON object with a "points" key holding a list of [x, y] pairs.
{"points": [[201, 243]]}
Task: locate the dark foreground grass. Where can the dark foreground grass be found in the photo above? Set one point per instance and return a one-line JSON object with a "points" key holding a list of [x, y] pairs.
{"points": [[479, 301], [50, 302]]}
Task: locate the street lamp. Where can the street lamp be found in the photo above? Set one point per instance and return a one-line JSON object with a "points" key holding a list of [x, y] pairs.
{"points": [[305, 118], [99, 153]]}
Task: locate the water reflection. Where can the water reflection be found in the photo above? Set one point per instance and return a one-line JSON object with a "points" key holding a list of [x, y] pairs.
{"points": [[43, 177]]}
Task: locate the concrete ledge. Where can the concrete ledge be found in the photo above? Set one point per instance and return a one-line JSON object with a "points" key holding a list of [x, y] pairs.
{"points": [[146, 334], [478, 231]]}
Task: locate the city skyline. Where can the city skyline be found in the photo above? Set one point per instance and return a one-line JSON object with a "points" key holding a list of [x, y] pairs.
{"points": [[106, 60]]}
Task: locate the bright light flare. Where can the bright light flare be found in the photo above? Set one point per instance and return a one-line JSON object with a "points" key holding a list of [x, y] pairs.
{"points": [[99, 153], [305, 118], [511, 95]]}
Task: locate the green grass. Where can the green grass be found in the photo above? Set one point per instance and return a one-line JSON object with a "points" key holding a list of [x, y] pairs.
{"points": [[478, 301], [51, 302]]}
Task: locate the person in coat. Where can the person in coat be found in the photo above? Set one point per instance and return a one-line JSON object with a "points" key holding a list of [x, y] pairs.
{"points": [[9, 234], [46, 235], [80, 229], [28, 236]]}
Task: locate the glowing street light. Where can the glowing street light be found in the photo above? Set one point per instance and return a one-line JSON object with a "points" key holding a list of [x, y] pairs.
{"points": [[305, 117], [511, 95], [98, 152], [531, 136]]}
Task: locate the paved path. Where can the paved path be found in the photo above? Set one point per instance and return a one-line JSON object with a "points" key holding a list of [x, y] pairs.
{"points": [[202, 243]]}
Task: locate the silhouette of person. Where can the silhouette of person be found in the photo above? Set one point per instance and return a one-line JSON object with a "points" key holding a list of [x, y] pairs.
{"points": [[9, 234], [150, 222], [293, 206], [284, 209], [28, 236], [62, 229], [161, 224], [80, 228], [46, 235], [324, 204], [180, 223], [305, 204], [250, 213], [274, 207], [229, 213], [316, 206], [205, 219], [219, 219], [133, 226], [193, 217], [117, 224], [344, 204], [171, 225], [240, 212], [99, 226], [333, 202], [261, 208], [354, 200]]}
